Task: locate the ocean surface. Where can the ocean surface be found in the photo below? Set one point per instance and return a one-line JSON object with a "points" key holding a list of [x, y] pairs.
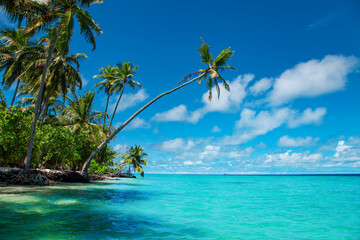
{"points": [[186, 207]]}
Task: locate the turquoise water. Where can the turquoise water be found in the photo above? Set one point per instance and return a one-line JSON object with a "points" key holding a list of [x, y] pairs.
{"points": [[186, 207]]}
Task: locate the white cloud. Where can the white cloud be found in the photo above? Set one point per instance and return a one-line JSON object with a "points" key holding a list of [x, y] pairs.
{"points": [[210, 151], [228, 101], [292, 159], [190, 163], [175, 145], [245, 153], [216, 129], [286, 141], [128, 100], [312, 78], [308, 117], [251, 125], [347, 151], [119, 148], [137, 123], [261, 86], [178, 114]]}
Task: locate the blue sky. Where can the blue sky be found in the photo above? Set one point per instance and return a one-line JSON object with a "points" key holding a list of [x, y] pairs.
{"points": [[294, 100]]}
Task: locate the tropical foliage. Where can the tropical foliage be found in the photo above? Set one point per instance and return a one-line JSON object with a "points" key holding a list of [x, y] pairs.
{"points": [[211, 73], [134, 157], [56, 146], [36, 59]]}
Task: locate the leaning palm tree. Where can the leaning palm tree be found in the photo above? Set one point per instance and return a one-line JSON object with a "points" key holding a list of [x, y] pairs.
{"points": [[211, 73], [61, 16], [109, 74], [79, 114], [134, 157], [126, 72]]}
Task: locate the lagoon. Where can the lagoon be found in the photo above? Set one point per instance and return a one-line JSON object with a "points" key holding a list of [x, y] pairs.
{"points": [[186, 207]]}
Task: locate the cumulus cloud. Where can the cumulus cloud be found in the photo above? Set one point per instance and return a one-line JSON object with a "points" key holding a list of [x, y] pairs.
{"points": [[210, 151], [347, 151], [190, 163], [293, 159], [120, 148], [227, 102], [261, 86], [309, 116], [178, 114], [137, 123], [312, 78], [245, 153], [128, 100], [175, 145], [252, 125], [286, 141]]}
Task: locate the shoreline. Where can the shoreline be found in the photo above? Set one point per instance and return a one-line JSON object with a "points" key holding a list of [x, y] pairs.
{"points": [[46, 177]]}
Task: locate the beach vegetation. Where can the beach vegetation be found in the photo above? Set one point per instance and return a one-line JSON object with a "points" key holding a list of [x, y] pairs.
{"points": [[134, 158], [70, 133]]}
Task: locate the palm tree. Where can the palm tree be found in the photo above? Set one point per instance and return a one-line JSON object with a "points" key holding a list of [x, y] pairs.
{"points": [[79, 114], [61, 14], [17, 55], [134, 157], [63, 76], [126, 73], [109, 74], [19, 10], [211, 73]]}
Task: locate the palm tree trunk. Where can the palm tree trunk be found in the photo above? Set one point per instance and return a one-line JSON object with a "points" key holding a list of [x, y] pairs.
{"points": [[44, 113], [16, 89], [106, 141], [107, 104], [122, 91], [38, 102], [63, 103]]}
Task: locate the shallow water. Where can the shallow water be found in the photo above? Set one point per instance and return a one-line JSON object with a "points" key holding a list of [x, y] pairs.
{"points": [[186, 207]]}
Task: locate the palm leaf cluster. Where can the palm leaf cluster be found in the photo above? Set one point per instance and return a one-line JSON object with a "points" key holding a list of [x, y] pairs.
{"points": [[80, 114], [114, 81], [52, 70], [215, 67], [134, 157]]}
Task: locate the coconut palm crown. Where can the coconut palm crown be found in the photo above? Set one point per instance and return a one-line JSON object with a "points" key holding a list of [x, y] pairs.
{"points": [[126, 73], [79, 114], [134, 157], [108, 74], [215, 67]]}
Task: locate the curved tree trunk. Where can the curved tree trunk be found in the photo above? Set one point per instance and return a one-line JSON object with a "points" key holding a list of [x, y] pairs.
{"points": [[38, 102], [107, 104], [92, 155], [122, 91], [16, 89]]}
